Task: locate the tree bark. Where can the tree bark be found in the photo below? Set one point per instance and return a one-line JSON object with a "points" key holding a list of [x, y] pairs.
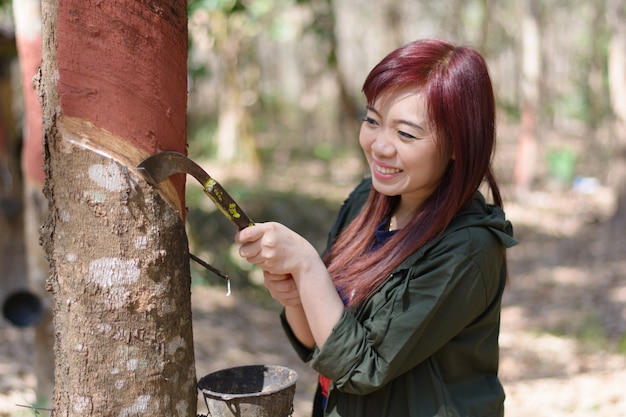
{"points": [[114, 91]]}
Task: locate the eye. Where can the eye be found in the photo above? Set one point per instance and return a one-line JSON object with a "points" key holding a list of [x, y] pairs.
{"points": [[406, 136], [370, 121]]}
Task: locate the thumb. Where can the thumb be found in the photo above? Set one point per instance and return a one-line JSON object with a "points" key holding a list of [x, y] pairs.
{"points": [[249, 234]]}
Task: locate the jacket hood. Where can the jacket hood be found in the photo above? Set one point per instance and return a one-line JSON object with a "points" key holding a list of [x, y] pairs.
{"points": [[477, 213], [480, 214]]}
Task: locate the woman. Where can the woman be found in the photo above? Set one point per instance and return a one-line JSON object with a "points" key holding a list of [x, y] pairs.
{"points": [[401, 316]]}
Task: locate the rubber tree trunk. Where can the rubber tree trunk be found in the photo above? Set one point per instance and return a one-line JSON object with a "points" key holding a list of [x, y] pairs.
{"points": [[27, 17], [114, 89]]}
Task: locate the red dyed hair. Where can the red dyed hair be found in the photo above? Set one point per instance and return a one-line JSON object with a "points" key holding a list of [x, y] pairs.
{"points": [[461, 108]]}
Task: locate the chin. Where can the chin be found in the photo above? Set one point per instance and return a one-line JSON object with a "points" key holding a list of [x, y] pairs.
{"points": [[388, 191]]}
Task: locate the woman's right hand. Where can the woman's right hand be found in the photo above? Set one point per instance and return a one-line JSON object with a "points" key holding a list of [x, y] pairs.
{"points": [[282, 288]]}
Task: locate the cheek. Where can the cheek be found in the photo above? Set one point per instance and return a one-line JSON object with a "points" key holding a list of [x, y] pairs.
{"points": [[365, 141], [426, 161], [440, 165]]}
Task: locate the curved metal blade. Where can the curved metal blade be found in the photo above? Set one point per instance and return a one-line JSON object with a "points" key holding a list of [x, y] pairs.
{"points": [[162, 165]]}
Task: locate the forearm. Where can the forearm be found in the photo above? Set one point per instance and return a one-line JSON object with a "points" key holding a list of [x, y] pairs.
{"points": [[321, 303], [282, 252], [299, 325]]}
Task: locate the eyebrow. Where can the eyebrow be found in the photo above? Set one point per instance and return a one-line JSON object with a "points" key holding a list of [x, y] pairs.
{"points": [[399, 121]]}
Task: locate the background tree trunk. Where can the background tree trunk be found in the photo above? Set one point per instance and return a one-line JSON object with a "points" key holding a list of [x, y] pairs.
{"points": [[27, 17], [12, 262], [616, 19], [234, 140], [531, 69], [114, 88]]}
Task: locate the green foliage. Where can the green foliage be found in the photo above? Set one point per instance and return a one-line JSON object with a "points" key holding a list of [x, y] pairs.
{"points": [[561, 165], [201, 135], [511, 110], [212, 5], [621, 346], [573, 106], [324, 151], [197, 71], [589, 330], [255, 9], [6, 28], [592, 334]]}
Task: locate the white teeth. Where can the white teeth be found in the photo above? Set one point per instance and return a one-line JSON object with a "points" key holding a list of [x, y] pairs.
{"points": [[387, 171]]}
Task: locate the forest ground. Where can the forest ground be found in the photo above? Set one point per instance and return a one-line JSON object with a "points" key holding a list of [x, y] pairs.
{"points": [[563, 343]]}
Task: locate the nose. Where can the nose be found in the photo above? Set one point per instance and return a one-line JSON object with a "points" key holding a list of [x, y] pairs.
{"points": [[383, 145]]}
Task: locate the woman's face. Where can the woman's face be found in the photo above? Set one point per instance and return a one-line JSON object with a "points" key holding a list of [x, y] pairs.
{"points": [[401, 148]]}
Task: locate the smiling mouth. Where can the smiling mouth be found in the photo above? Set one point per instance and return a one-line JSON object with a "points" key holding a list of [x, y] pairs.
{"points": [[386, 170]]}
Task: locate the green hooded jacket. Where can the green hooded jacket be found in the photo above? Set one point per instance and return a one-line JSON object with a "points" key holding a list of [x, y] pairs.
{"points": [[426, 343]]}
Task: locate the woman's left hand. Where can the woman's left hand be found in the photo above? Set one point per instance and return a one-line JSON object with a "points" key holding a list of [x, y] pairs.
{"points": [[282, 289]]}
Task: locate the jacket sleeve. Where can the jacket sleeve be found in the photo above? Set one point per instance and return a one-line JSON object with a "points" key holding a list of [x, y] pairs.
{"points": [[413, 315]]}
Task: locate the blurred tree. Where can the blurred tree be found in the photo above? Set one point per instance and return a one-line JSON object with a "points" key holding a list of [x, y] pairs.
{"points": [[27, 17], [12, 262], [231, 26], [531, 70], [276, 60], [616, 19], [593, 67], [485, 25], [323, 25], [118, 251]]}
